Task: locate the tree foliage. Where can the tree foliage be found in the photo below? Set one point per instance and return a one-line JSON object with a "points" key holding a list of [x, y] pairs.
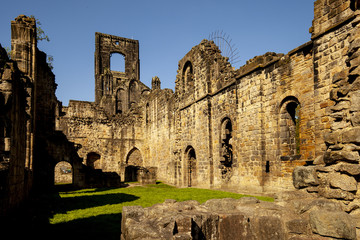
{"points": [[40, 34]]}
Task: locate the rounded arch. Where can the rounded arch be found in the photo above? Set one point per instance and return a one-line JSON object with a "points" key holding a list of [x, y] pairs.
{"points": [[63, 173], [289, 124], [191, 166], [93, 160], [188, 77], [288, 99], [226, 148]]}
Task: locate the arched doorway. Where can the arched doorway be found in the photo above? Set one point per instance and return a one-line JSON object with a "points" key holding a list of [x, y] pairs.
{"points": [[191, 166], [63, 173], [133, 164]]}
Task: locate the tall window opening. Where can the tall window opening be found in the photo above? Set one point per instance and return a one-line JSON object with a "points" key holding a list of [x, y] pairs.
{"points": [[117, 62], [191, 166], [290, 128], [188, 77], [226, 150]]}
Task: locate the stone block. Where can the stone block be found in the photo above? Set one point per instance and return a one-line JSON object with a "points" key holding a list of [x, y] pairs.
{"points": [[231, 225], [351, 169], [270, 227], [336, 194], [343, 181], [355, 101], [332, 224], [304, 177], [298, 226], [342, 155]]}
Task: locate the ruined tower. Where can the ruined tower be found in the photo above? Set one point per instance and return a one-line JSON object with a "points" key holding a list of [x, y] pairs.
{"points": [[117, 91]]}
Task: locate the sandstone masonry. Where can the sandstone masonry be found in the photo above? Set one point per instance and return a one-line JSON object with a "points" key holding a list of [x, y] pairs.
{"points": [[280, 121]]}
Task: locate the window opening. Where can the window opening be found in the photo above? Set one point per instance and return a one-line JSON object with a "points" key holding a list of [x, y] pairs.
{"points": [[226, 152], [117, 62]]}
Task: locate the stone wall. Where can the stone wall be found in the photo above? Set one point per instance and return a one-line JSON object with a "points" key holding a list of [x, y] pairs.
{"points": [[29, 145], [244, 218], [335, 174], [15, 176]]}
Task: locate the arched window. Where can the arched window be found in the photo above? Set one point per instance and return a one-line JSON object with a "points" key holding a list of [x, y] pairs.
{"points": [[117, 62], [93, 160], [63, 173], [133, 93], [226, 149], [290, 128], [191, 166], [188, 77]]}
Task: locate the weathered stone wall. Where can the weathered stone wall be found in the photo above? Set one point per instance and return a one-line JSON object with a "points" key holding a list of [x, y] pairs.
{"points": [[244, 218], [29, 144], [15, 178], [111, 138], [223, 128], [335, 174]]}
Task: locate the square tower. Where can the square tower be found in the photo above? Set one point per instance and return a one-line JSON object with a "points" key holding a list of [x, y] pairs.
{"points": [[116, 91]]}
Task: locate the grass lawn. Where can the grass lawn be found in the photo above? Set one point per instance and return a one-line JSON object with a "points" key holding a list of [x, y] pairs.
{"points": [[98, 211]]}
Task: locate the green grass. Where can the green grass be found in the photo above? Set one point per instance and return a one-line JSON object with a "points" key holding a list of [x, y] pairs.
{"points": [[92, 211]]}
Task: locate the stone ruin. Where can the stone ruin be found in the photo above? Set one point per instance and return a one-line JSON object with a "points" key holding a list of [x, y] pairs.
{"points": [[244, 218], [281, 122]]}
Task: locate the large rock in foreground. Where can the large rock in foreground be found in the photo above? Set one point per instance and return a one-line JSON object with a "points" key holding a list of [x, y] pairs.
{"points": [[245, 218]]}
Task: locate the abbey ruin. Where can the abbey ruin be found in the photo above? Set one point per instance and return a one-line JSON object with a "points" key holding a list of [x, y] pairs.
{"points": [[279, 123]]}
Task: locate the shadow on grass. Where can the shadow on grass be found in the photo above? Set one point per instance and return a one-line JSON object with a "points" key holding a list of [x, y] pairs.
{"points": [[106, 226], [83, 202]]}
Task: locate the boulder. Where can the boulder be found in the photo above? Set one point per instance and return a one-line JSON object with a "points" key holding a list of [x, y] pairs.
{"points": [[333, 224], [304, 177]]}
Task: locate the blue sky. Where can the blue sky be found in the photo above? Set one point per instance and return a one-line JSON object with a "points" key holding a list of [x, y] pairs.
{"points": [[166, 30]]}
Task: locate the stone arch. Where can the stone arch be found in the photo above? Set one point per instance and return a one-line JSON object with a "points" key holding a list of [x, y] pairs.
{"points": [[133, 164], [133, 93], [93, 160], [117, 62], [63, 173], [191, 166], [226, 148], [355, 5], [188, 77], [289, 125]]}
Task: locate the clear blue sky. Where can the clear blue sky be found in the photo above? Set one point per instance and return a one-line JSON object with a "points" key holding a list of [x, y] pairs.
{"points": [[166, 30]]}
